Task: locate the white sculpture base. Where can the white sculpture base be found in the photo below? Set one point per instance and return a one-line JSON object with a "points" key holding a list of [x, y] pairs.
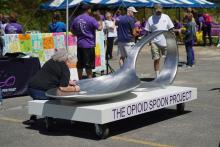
{"points": [[121, 107]]}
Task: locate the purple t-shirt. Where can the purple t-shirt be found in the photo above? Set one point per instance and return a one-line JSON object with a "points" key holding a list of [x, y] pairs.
{"points": [[102, 17], [125, 24], [137, 25], [84, 27], [13, 28], [177, 25], [201, 19]]}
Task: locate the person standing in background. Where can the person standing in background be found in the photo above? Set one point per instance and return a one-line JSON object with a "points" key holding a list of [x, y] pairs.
{"points": [[207, 28], [111, 34], [57, 25], [84, 27], [177, 30], [126, 33], [190, 35], [117, 14], [1, 43], [158, 21], [13, 27], [4, 22], [137, 30]]}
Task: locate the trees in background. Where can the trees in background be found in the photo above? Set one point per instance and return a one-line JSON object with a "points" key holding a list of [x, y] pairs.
{"points": [[29, 14], [35, 19]]}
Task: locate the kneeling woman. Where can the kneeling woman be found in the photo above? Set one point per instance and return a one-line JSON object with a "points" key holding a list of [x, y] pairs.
{"points": [[55, 73]]}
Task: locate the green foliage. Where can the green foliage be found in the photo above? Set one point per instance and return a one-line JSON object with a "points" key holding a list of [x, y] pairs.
{"points": [[29, 13]]}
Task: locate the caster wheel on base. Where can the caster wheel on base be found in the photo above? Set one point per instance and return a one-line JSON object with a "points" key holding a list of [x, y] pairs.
{"points": [[180, 108], [102, 131], [49, 122]]}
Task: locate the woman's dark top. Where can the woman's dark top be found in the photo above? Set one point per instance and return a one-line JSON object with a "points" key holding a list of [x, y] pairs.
{"points": [[53, 74]]}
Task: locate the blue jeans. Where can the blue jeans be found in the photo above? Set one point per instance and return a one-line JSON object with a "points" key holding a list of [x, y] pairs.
{"points": [[190, 53], [37, 94]]}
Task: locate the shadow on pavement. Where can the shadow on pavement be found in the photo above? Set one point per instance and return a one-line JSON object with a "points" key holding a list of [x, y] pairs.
{"points": [[147, 79], [87, 130], [181, 63], [213, 89]]}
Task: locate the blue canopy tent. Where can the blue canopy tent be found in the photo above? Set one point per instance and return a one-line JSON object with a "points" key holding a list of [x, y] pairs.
{"points": [[61, 4], [66, 4]]}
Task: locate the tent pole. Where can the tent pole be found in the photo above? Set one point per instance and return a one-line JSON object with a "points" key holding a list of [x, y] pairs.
{"points": [[67, 24], [144, 12]]}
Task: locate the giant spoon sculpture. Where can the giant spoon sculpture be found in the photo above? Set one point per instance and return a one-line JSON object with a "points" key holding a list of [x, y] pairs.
{"points": [[125, 78]]}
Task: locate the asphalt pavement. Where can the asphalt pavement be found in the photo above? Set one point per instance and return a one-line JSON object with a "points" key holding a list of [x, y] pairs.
{"points": [[198, 126]]}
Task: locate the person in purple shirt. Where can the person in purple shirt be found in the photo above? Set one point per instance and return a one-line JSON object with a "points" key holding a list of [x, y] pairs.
{"points": [[126, 33], [117, 14], [102, 17], [84, 27], [177, 30], [13, 27], [201, 22], [137, 30]]}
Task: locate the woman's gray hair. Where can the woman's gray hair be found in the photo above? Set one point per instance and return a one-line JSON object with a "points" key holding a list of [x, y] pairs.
{"points": [[62, 56]]}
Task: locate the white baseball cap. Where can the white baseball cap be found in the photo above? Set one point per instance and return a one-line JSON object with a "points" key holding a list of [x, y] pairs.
{"points": [[132, 9]]}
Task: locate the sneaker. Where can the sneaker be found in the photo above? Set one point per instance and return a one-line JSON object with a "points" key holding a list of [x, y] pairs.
{"points": [[188, 66], [163, 56], [157, 75], [218, 45]]}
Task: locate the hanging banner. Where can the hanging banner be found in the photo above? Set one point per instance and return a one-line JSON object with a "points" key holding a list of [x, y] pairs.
{"points": [[25, 43], [12, 43], [36, 42], [43, 45], [100, 52], [48, 41], [59, 40]]}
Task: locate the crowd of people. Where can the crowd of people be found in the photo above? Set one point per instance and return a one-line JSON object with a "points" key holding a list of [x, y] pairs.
{"points": [[9, 25], [126, 29], [123, 28]]}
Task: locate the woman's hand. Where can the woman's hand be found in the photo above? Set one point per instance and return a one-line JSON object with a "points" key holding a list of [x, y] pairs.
{"points": [[69, 88], [77, 88], [72, 83]]}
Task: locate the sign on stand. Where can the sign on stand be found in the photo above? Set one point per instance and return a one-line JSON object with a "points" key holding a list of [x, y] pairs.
{"points": [[121, 107]]}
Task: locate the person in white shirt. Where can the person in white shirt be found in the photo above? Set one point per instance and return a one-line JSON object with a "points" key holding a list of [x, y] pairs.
{"points": [[111, 34], [158, 21]]}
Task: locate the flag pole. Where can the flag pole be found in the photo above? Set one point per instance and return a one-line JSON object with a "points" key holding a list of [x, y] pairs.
{"points": [[67, 24]]}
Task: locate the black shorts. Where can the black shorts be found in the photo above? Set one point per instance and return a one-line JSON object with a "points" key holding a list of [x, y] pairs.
{"points": [[86, 58]]}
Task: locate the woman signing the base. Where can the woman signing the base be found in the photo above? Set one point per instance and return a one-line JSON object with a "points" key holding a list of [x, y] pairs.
{"points": [[55, 73]]}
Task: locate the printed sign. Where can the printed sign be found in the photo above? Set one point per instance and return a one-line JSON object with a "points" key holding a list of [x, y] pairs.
{"points": [[150, 105]]}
